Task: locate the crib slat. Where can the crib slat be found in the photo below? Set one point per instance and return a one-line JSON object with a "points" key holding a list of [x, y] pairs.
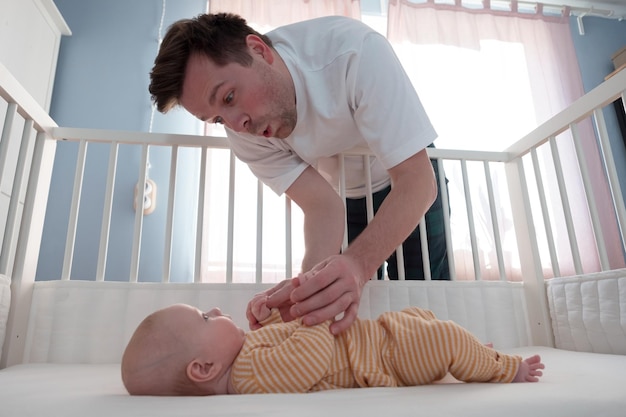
{"points": [[611, 171], [571, 232], [7, 130], [13, 220], [470, 220], [424, 248], [591, 201], [169, 222], [6, 173], [288, 242], [494, 221], [231, 219], [446, 219], [369, 210], [106, 215], [138, 225], [342, 194], [70, 240], [259, 232], [546, 214], [197, 276], [369, 198]]}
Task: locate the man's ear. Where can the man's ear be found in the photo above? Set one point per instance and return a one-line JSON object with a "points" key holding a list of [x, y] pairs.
{"points": [[199, 371], [258, 47]]}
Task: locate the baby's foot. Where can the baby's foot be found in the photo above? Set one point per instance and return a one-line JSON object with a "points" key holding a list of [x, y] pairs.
{"points": [[529, 370]]}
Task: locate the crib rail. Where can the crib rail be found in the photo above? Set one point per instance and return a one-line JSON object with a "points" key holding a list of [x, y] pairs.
{"points": [[535, 168], [558, 181]]}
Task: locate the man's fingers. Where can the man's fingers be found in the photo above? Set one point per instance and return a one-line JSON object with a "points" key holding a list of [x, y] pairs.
{"points": [[285, 314], [313, 283], [346, 321], [323, 311], [281, 296]]}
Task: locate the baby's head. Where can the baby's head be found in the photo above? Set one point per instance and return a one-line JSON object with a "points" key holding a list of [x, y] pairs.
{"points": [[180, 350]]}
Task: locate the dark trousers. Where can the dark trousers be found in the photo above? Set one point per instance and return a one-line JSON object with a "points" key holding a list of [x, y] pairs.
{"points": [[412, 248]]}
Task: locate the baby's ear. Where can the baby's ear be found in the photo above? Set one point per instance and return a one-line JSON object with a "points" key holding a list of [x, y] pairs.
{"points": [[199, 371]]}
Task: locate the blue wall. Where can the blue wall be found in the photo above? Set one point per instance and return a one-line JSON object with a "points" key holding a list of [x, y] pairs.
{"points": [[102, 80], [601, 39]]}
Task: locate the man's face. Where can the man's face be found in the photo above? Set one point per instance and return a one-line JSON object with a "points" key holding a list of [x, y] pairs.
{"points": [[258, 100]]}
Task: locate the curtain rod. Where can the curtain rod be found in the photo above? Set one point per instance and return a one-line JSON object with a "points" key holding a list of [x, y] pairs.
{"points": [[580, 12], [576, 11]]}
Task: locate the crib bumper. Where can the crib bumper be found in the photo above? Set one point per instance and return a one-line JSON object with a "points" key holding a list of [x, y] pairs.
{"points": [[588, 312], [91, 322]]}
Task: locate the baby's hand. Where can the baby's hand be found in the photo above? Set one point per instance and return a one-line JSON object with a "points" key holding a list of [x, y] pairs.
{"points": [[258, 307]]}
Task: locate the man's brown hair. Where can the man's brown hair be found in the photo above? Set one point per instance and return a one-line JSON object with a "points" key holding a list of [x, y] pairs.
{"points": [[221, 37]]}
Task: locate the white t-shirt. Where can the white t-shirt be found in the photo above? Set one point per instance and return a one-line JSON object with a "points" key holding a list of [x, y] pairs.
{"points": [[350, 91]]}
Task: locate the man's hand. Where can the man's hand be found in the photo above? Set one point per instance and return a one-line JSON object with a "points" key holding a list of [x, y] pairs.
{"points": [[332, 288]]}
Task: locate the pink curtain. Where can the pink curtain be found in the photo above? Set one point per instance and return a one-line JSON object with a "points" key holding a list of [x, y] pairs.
{"points": [[274, 13], [555, 82]]}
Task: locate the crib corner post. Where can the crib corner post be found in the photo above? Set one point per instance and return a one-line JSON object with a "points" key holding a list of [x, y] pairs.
{"points": [[27, 250], [541, 333], [15, 340]]}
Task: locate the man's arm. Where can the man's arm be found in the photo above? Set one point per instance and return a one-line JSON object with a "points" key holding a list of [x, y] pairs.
{"points": [[339, 279], [324, 225], [413, 191], [324, 216]]}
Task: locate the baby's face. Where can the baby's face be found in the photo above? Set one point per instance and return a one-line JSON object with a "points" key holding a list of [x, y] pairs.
{"points": [[212, 330]]}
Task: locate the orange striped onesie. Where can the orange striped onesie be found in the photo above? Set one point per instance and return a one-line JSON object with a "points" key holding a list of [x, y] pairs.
{"points": [[408, 347]]}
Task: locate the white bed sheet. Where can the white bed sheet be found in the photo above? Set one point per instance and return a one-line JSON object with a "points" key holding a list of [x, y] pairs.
{"points": [[574, 384]]}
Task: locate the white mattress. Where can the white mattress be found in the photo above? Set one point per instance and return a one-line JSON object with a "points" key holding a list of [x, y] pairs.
{"points": [[575, 384]]}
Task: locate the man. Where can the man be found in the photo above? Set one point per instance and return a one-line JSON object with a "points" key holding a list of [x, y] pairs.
{"points": [[291, 101]]}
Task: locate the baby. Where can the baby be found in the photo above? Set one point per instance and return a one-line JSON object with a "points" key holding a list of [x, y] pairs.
{"points": [[181, 350]]}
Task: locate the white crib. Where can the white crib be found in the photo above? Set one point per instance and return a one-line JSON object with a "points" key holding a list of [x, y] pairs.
{"points": [[63, 338]]}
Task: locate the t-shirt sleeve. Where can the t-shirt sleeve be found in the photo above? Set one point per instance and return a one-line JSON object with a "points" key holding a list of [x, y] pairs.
{"points": [[387, 109], [270, 161]]}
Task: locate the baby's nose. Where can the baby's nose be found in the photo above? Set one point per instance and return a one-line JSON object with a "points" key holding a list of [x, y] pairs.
{"points": [[215, 311]]}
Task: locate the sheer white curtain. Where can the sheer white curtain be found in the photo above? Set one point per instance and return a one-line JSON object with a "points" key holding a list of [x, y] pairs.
{"points": [[263, 16], [487, 77]]}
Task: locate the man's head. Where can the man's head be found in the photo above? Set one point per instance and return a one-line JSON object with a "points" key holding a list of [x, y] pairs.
{"points": [[180, 350], [220, 37], [222, 71]]}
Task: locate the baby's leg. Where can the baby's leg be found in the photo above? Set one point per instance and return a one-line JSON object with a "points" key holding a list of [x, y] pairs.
{"points": [[529, 370]]}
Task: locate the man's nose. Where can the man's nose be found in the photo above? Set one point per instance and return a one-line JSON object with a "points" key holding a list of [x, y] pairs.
{"points": [[237, 122]]}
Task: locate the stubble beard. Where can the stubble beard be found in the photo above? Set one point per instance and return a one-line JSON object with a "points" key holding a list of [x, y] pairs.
{"points": [[282, 98]]}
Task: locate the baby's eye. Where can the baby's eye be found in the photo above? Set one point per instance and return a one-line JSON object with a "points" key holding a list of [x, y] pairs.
{"points": [[205, 317], [229, 98]]}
